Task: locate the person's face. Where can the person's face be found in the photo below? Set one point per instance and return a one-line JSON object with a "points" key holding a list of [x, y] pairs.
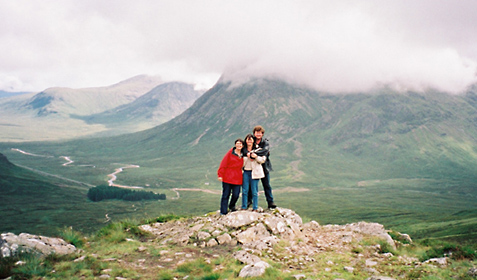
{"points": [[258, 134], [249, 141], [238, 145]]}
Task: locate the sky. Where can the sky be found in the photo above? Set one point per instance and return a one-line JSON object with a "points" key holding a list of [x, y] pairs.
{"points": [[335, 46]]}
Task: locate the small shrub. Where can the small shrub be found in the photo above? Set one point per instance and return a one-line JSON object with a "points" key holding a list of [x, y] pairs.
{"points": [[213, 276], [114, 233], [357, 250], [33, 267], [72, 237], [385, 247], [398, 237], [165, 218], [6, 266], [196, 267], [165, 275], [440, 249]]}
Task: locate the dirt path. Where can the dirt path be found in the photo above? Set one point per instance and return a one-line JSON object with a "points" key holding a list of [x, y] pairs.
{"points": [[114, 177], [29, 154], [69, 161]]}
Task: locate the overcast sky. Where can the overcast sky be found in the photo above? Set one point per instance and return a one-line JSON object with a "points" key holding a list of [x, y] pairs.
{"points": [[330, 45]]}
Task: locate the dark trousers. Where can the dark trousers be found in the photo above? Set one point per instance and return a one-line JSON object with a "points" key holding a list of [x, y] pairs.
{"points": [[266, 188], [226, 190]]}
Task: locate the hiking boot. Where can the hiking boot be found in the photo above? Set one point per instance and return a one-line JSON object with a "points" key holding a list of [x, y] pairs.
{"points": [[233, 209], [272, 205]]}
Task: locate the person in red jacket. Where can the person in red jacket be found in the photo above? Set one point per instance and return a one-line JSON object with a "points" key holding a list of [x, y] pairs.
{"points": [[230, 174]]}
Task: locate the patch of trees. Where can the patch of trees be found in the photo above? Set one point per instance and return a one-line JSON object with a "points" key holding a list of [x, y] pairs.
{"points": [[102, 192]]}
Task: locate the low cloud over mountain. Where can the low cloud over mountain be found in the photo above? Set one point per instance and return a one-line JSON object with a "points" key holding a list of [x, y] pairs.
{"points": [[331, 46]]}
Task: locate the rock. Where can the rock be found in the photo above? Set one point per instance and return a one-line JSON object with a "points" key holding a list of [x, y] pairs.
{"points": [[254, 233], [404, 237], [211, 243], [372, 229], [259, 232], [245, 257], [202, 235], [262, 244], [239, 219], [224, 239], [142, 249], [349, 269], [371, 263], [254, 270], [472, 272], [12, 244], [438, 261]]}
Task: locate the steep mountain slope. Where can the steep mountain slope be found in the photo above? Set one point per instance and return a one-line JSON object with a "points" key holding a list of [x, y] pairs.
{"points": [[157, 106], [430, 134]]}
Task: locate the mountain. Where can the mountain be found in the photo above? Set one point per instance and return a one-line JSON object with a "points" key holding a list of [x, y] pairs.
{"points": [[407, 160], [63, 113], [87, 101], [157, 106]]}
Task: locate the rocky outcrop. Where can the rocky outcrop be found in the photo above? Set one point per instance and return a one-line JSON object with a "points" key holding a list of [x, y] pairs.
{"points": [[11, 245], [258, 232]]}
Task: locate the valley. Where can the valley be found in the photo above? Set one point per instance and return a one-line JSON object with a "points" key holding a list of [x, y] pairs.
{"points": [[405, 160]]}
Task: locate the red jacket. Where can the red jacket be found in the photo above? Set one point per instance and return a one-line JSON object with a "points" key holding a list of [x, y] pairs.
{"points": [[231, 169]]}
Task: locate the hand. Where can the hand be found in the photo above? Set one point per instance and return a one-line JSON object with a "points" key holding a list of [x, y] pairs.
{"points": [[220, 179], [253, 155]]}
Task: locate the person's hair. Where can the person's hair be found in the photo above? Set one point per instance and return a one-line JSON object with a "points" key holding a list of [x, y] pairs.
{"points": [[239, 140], [248, 136], [258, 128]]}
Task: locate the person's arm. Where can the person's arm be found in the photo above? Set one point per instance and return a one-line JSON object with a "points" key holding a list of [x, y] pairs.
{"points": [[261, 159], [223, 165], [264, 148]]}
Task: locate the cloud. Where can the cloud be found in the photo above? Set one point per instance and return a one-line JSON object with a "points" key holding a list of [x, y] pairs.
{"points": [[333, 46]]}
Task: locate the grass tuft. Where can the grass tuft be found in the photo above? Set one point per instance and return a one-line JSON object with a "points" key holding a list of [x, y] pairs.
{"points": [[73, 237]]}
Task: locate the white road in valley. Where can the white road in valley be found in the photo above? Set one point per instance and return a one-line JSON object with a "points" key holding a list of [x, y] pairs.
{"points": [[69, 161], [113, 178], [29, 154]]}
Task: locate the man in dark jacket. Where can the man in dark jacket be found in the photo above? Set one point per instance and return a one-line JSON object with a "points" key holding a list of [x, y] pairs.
{"points": [[262, 148]]}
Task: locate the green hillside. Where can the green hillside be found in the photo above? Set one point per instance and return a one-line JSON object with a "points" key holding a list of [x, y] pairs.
{"points": [[406, 160], [32, 203]]}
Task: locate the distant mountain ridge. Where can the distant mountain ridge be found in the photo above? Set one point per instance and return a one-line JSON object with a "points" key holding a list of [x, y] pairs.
{"points": [[87, 101], [157, 106], [60, 113], [5, 94]]}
